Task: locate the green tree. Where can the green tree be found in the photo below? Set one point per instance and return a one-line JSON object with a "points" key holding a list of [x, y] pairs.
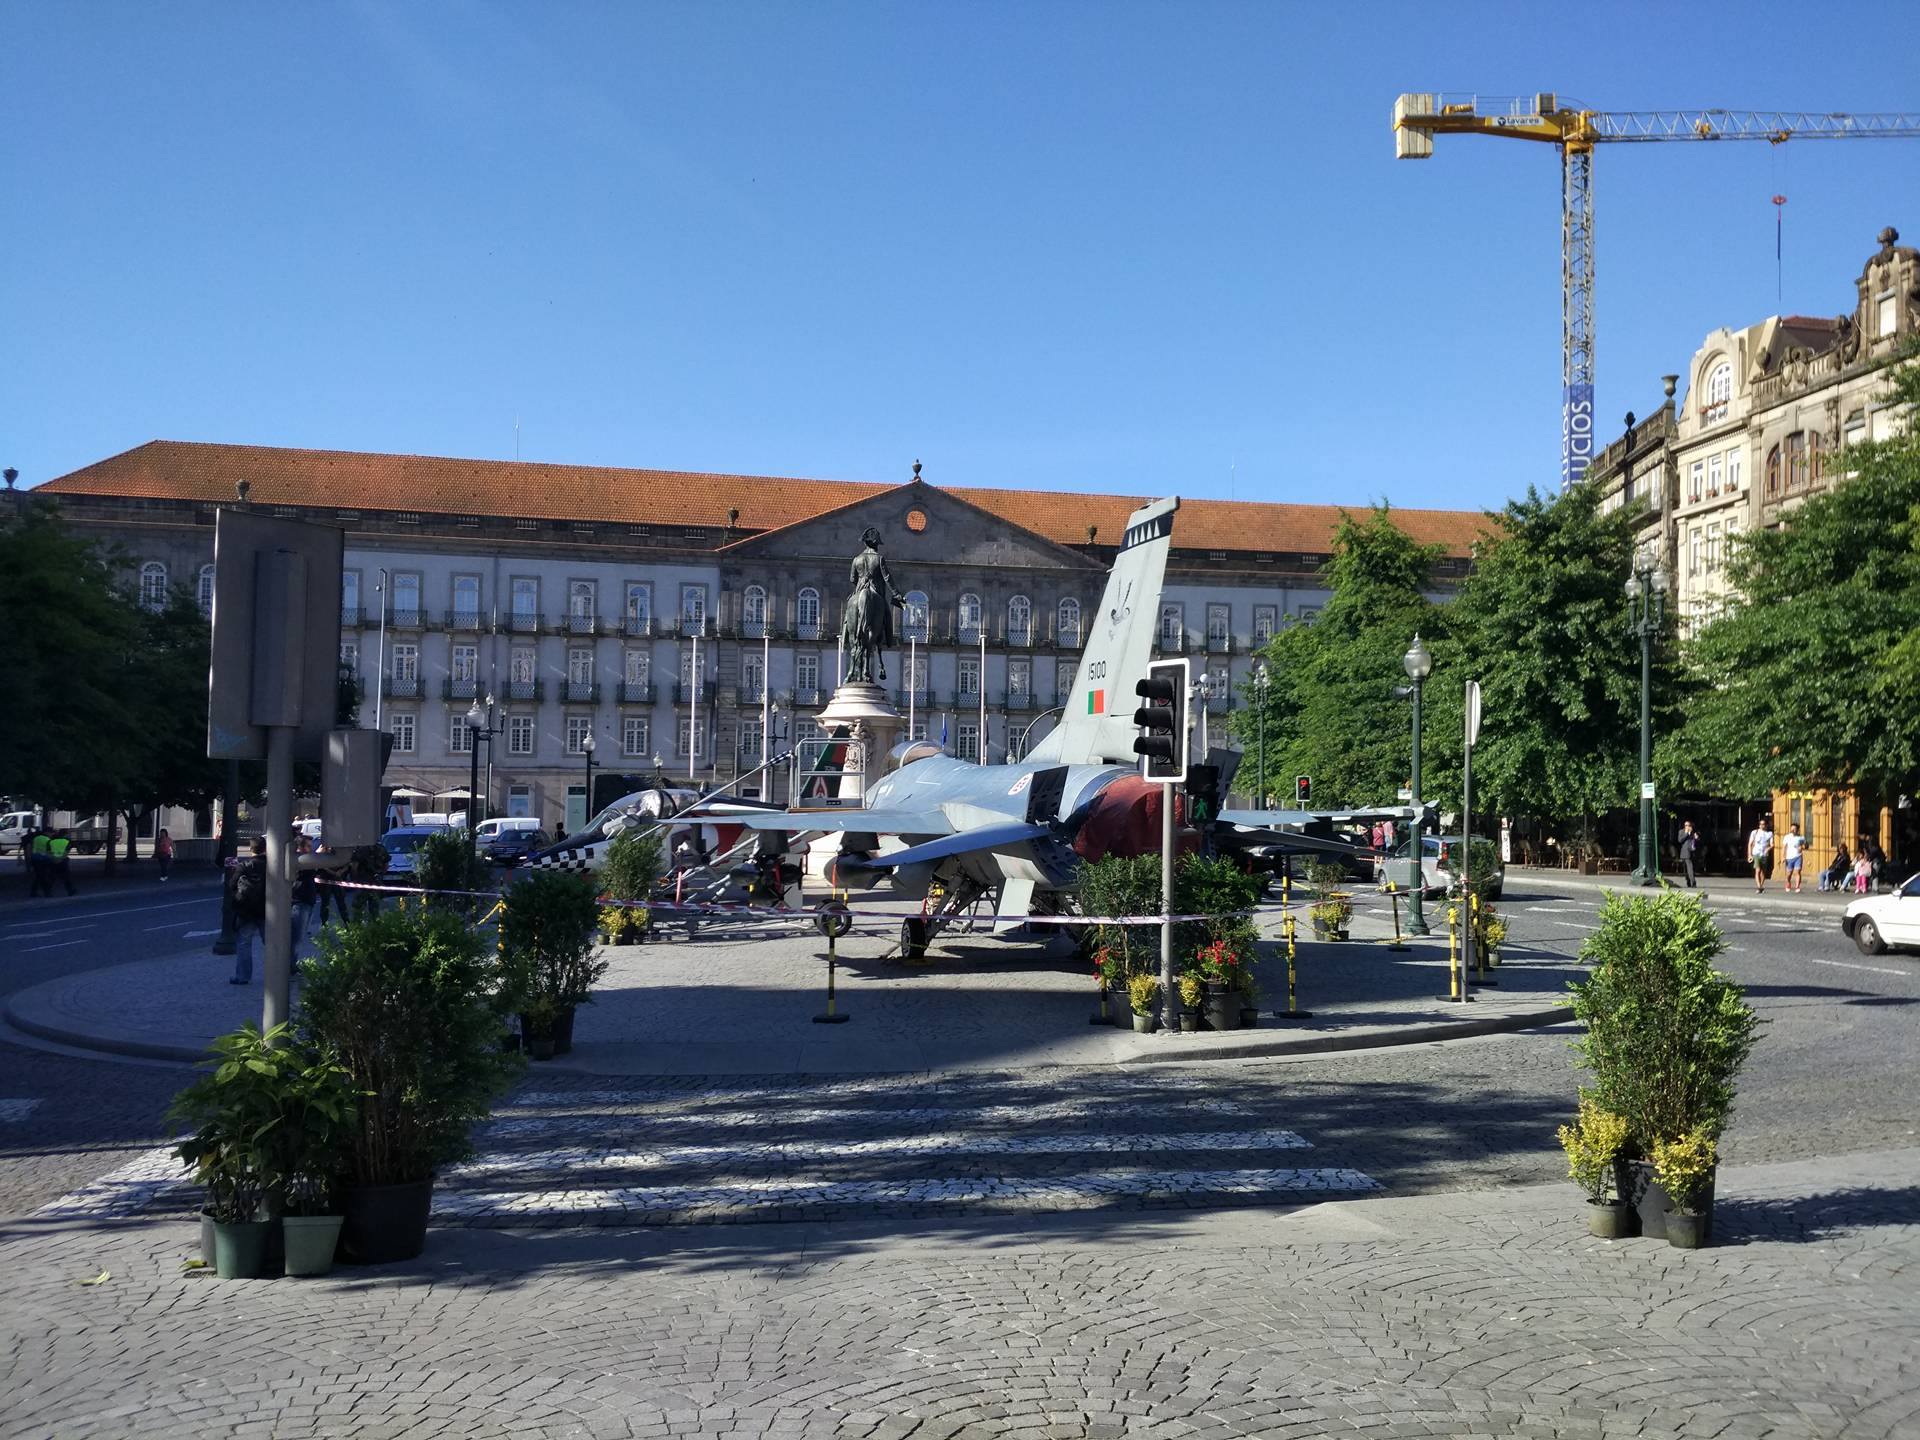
{"points": [[1329, 707], [1542, 624], [1813, 676]]}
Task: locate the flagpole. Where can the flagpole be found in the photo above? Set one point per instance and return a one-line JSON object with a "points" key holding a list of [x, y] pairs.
{"points": [[913, 674], [983, 690]]}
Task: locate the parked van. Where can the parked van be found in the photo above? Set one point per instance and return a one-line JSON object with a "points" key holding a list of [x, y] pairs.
{"points": [[14, 826], [503, 824]]}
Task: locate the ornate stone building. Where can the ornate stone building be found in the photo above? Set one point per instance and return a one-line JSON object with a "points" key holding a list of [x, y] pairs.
{"points": [[663, 619]]}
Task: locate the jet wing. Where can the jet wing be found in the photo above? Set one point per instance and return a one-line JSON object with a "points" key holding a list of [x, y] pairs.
{"points": [[860, 822], [1273, 819], [961, 842]]}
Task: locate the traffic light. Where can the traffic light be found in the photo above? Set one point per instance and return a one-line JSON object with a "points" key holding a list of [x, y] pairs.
{"points": [[1203, 793], [1303, 789], [1162, 742]]}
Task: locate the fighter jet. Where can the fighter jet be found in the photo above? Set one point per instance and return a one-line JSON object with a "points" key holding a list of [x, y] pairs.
{"points": [[949, 832]]}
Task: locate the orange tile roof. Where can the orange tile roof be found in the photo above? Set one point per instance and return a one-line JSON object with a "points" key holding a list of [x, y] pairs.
{"points": [[208, 473]]}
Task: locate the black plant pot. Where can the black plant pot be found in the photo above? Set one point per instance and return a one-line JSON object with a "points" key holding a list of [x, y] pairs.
{"points": [[385, 1223], [563, 1031], [1651, 1203], [1222, 1007]]}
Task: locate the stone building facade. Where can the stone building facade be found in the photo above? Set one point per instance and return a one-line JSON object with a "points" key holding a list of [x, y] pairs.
{"points": [[670, 621]]}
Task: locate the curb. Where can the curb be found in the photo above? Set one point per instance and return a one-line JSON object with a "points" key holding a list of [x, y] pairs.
{"points": [[1422, 1034], [108, 1044]]}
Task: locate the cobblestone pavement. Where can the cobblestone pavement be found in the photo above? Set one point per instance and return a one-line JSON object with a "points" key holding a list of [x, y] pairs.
{"points": [[1464, 1315]]}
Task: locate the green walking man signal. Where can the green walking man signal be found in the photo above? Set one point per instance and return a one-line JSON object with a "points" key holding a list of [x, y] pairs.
{"points": [[1162, 741]]}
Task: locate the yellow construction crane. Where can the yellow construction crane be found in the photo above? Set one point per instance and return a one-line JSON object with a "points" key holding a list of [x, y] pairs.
{"points": [[1418, 118]]}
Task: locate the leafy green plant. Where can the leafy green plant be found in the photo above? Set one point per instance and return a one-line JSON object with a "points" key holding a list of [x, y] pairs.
{"points": [[547, 927], [632, 864], [446, 861], [618, 922], [1334, 914], [1684, 1167], [1324, 877], [1593, 1142], [410, 1003], [1192, 989], [234, 1112], [1124, 885], [1109, 967], [1666, 1032], [1486, 860], [1220, 890], [1141, 993]]}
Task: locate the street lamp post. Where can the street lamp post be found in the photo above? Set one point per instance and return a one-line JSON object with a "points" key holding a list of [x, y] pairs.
{"points": [[1260, 692], [1646, 611], [479, 724], [587, 746], [1419, 665], [380, 664]]}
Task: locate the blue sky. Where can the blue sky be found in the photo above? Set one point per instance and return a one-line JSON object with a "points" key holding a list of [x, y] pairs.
{"points": [[1140, 248]]}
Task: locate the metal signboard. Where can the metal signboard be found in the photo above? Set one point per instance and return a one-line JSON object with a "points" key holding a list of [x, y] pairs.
{"points": [[1473, 712]]}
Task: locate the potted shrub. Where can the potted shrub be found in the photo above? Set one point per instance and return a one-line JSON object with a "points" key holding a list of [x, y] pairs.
{"points": [[1219, 966], [547, 926], [1594, 1143], [1666, 1033], [1193, 990], [410, 1002], [318, 1105], [1684, 1168], [1109, 971], [447, 862], [233, 1111], [1331, 917], [1249, 998], [1493, 933], [1142, 991], [627, 878]]}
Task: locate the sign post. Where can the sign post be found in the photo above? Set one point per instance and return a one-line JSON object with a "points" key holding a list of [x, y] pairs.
{"points": [[1162, 748]]}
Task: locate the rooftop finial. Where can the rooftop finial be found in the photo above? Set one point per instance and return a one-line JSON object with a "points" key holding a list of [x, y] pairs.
{"points": [[1889, 237], [916, 469], [11, 475], [241, 488]]}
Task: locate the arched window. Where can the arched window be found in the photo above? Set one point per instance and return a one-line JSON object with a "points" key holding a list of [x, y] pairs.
{"points": [[1773, 473], [753, 611], [913, 621], [206, 591], [753, 679], [807, 613], [153, 585], [970, 614], [1068, 623], [1019, 621], [1719, 393]]}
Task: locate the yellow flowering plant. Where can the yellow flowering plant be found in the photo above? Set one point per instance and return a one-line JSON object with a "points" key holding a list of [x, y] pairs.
{"points": [[1141, 990], [1684, 1167], [1593, 1144]]}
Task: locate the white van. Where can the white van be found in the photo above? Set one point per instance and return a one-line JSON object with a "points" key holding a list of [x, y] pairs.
{"points": [[14, 826], [505, 824]]}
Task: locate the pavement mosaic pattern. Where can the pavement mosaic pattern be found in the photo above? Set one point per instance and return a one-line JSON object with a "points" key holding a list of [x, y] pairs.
{"points": [[1475, 1315]]}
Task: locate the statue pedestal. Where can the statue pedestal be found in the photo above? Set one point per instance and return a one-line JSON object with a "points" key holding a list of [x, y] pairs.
{"points": [[864, 710]]}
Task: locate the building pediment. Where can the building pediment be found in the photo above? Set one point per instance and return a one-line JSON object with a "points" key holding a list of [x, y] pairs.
{"points": [[919, 524]]}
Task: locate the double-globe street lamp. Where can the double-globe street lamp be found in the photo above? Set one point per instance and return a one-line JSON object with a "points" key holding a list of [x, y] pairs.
{"points": [[587, 746], [479, 725], [1646, 612], [1418, 663], [1260, 692]]}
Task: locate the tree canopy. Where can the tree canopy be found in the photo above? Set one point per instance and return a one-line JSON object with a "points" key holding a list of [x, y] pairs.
{"points": [[1812, 677]]}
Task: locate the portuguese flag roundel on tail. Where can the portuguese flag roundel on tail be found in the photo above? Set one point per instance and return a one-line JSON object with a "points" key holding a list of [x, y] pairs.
{"points": [[1096, 702]]}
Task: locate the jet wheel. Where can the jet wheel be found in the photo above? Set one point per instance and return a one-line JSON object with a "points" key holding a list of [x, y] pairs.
{"points": [[833, 919], [913, 937]]}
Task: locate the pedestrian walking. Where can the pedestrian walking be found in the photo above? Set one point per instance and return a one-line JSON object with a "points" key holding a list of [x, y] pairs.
{"points": [[1760, 852], [1793, 847], [58, 848], [163, 853], [306, 892], [40, 863], [333, 869], [1689, 848], [249, 909]]}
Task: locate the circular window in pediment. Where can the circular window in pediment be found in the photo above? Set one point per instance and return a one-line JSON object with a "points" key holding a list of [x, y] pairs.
{"points": [[916, 520]]}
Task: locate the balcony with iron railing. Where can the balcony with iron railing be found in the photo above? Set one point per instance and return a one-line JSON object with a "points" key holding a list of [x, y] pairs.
{"points": [[458, 619], [807, 695], [579, 692], [1218, 704], [401, 619], [1019, 700], [1219, 643], [919, 698], [1067, 638], [523, 622], [350, 616], [683, 691], [401, 687], [636, 692], [1170, 642], [525, 689], [639, 626], [580, 624], [807, 629], [754, 628], [461, 689], [694, 626]]}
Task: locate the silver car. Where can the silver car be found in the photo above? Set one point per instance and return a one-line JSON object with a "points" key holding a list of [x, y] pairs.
{"points": [[1435, 878]]}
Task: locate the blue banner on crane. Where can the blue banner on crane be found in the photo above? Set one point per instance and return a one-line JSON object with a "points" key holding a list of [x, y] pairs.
{"points": [[1576, 433]]}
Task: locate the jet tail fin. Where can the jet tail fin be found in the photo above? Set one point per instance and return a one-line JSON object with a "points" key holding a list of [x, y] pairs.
{"points": [[1097, 723]]}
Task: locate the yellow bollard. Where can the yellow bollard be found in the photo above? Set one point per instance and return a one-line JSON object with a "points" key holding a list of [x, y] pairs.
{"points": [[1293, 1010], [1393, 897], [1456, 982]]}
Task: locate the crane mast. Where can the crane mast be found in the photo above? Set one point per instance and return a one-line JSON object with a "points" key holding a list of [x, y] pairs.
{"points": [[1417, 118]]}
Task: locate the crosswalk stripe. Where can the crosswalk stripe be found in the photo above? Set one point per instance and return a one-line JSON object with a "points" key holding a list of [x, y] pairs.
{"points": [[572, 1159], [748, 1196], [682, 1117]]}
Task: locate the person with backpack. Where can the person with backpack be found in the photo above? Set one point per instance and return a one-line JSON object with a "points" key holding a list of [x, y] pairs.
{"points": [[249, 909]]}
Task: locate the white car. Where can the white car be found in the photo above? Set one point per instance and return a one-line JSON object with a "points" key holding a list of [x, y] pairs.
{"points": [[1877, 922]]}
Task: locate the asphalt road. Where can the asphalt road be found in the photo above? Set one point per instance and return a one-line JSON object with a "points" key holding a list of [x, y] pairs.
{"points": [[1832, 1073]]}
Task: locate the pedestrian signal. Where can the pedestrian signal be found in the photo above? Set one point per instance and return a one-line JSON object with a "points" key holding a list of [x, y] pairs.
{"points": [[1303, 789]]}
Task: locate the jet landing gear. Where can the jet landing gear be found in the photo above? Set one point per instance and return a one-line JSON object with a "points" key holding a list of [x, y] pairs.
{"points": [[917, 932]]}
